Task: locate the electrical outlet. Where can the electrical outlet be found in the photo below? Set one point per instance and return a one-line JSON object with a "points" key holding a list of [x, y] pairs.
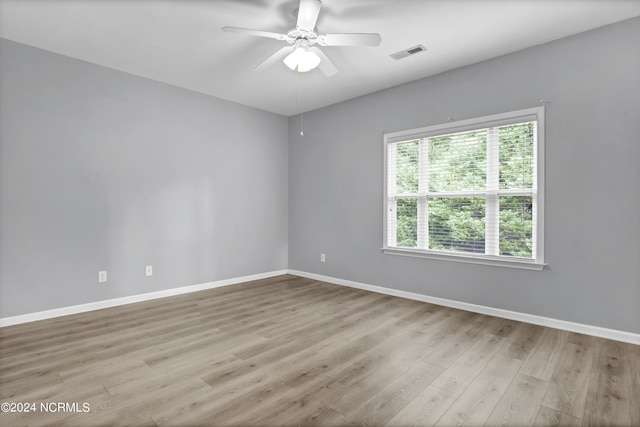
{"points": [[148, 271], [102, 276], [322, 258]]}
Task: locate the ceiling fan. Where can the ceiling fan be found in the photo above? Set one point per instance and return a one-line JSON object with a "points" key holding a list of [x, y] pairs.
{"points": [[303, 54]]}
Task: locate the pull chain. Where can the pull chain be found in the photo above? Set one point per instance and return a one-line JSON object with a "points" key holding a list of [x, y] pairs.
{"points": [[300, 106]]}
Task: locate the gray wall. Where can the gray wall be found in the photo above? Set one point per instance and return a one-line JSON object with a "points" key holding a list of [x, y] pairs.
{"points": [[592, 172], [101, 170]]}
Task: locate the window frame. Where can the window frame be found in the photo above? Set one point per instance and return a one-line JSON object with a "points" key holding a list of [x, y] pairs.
{"points": [[495, 120]]}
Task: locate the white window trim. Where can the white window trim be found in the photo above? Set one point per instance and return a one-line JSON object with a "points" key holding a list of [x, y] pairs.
{"points": [[502, 119]]}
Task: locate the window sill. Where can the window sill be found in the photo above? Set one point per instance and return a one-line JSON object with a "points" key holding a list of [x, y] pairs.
{"points": [[475, 259]]}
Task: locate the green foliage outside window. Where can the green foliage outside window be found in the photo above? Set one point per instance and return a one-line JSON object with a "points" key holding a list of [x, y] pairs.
{"points": [[516, 156], [516, 226], [457, 162], [407, 223], [408, 167], [457, 224]]}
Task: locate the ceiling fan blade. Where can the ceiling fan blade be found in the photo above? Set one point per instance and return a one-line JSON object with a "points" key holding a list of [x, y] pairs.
{"points": [[352, 39], [258, 33], [308, 14], [326, 66], [279, 55]]}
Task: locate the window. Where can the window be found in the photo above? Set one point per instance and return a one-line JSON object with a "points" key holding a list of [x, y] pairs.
{"points": [[468, 191]]}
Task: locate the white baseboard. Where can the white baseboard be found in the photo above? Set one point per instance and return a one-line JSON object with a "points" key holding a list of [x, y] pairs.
{"points": [[64, 311], [597, 331]]}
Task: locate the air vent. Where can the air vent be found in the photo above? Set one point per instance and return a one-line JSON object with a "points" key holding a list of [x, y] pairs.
{"points": [[409, 52]]}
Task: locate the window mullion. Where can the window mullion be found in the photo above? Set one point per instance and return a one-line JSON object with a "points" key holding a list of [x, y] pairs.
{"points": [[423, 188], [392, 190], [534, 200], [492, 209]]}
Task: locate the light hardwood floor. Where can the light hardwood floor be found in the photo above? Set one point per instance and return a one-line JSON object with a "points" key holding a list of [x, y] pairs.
{"points": [[294, 351]]}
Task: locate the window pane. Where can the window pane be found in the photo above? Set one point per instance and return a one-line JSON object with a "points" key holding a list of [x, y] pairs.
{"points": [[407, 167], [516, 226], [516, 156], [407, 223], [457, 161], [457, 224]]}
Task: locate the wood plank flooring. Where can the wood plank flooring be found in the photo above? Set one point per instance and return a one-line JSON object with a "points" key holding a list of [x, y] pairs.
{"points": [[290, 351]]}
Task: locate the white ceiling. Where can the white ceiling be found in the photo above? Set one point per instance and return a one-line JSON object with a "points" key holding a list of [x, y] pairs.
{"points": [[180, 42]]}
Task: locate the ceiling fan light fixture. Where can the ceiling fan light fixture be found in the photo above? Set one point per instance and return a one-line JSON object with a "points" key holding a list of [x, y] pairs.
{"points": [[302, 60], [303, 52]]}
